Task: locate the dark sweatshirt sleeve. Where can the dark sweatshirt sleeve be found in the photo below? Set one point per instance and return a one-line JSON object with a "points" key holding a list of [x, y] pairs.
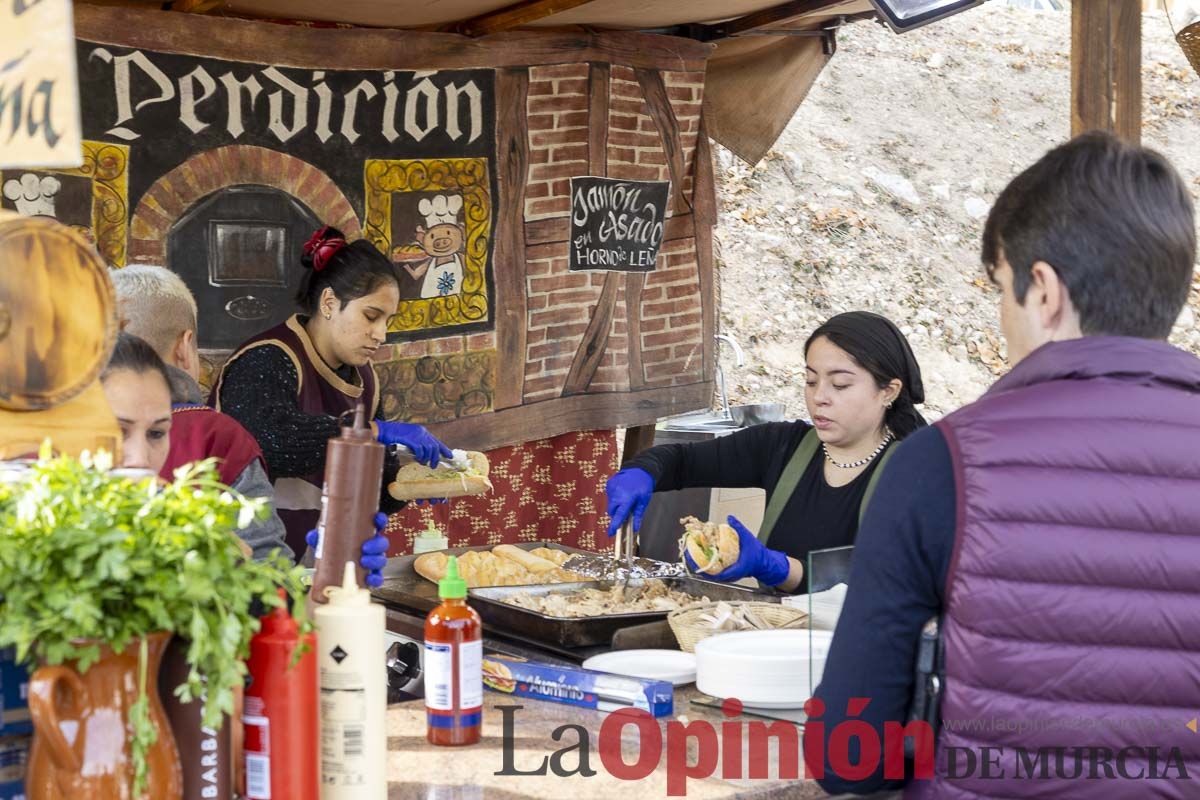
{"points": [[259, 391], [897, 583], [738, 460]]}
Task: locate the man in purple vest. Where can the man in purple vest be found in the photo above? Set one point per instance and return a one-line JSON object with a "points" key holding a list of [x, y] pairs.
{"points": [[1053, 525]]}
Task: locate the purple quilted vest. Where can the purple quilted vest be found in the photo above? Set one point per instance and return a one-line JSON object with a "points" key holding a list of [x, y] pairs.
{"points": [[1072, 619]]}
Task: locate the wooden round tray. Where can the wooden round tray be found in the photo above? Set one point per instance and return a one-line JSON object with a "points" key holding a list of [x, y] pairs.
{"points": [[58, 318]]}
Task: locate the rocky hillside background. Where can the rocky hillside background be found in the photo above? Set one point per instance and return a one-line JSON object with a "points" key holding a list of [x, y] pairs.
{"points": [[874, 197]]}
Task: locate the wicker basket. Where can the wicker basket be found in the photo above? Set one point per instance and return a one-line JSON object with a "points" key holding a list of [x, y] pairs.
{"points": [[1189, 40], [688, 629]]}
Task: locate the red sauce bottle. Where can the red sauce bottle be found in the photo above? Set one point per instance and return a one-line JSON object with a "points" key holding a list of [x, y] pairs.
{"points": [[453, 665], [282, 752]]}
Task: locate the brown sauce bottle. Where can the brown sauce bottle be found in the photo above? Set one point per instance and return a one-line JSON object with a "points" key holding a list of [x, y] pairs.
{"points": [[353, 475]]}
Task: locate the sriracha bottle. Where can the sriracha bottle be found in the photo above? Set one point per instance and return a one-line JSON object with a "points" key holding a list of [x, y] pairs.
{"points": [[453, 665], [280, 714]]}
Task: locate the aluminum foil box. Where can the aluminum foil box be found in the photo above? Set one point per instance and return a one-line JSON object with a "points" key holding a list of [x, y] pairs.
{"points": [[576, 686]]}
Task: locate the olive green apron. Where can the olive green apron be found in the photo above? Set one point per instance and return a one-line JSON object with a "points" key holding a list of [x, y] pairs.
{"points": [[794, 471]]}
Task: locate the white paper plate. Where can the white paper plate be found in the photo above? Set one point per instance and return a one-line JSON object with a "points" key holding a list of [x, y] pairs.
{"points": [[660, 665], [763, 669]]}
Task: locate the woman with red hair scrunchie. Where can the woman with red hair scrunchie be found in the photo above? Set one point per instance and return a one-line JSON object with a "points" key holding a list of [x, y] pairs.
{"points": [[291, 385]]}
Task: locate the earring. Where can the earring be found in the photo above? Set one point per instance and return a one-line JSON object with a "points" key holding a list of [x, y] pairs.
{"points": [[330, 316], [889, 404]]}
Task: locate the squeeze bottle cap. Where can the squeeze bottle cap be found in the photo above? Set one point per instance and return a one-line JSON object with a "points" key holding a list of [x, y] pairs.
{"points": [[452, 587], [360, 429], [279, 622], [349, 593]]}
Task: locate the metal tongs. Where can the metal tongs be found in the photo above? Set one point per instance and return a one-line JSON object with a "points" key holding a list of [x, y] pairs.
{"points": [[627, 538]]}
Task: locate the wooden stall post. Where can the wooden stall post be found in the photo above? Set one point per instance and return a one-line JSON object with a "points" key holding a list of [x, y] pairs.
{"points": [[1106, 58]]}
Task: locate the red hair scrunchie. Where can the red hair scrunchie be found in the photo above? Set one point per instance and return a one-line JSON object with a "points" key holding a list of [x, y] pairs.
{"points": [[320, 249]]}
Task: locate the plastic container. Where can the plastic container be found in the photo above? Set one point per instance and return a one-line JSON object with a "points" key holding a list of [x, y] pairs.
{"points": [[429, 540], [453, 666], [351, 658], [282, 756], [353, 474]]}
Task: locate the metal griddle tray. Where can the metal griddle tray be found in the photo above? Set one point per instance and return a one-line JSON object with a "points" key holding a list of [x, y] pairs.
{"points": [[586, 631]]}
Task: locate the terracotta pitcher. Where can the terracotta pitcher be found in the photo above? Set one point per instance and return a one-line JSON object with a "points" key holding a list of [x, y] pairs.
{"points": [[81, 735]]}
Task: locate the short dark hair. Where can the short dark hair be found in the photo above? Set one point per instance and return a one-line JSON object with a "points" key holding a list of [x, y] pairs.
{"points": [[1116, 223], [354, 271], [137, 355]]}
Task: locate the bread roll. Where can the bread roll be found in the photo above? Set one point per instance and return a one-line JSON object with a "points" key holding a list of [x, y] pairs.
{"points": [[418, 482], [714, 547], [529, 561]]}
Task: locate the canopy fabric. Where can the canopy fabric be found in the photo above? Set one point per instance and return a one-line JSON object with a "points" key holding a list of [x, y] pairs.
{"points": [[606, 14]]}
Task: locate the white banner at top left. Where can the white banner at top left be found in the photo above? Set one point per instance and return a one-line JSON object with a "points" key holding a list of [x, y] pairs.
{"points": [[39, 87]]}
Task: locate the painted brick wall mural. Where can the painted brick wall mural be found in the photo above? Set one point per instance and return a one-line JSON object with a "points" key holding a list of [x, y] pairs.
{"points": [[575, 168]]}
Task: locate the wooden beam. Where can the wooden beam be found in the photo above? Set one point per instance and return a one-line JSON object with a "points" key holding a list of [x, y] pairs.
{"points": [[508, 259], [1106, 60], [654, 89], [517, 15], [595, 338], [375, 48], [704, 212], [580, 412], [785, 12]]}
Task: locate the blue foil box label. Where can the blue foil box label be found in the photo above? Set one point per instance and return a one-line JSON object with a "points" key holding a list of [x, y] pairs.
{"points": [[14, 695], [576, 686]]}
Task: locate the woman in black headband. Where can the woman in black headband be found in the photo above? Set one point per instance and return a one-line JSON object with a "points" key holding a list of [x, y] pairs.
{"points": [[862, 388]]}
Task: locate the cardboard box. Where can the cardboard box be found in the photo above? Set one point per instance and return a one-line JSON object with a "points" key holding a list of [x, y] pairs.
{"points": [[14, 754], [14, 696], [576, 686]]}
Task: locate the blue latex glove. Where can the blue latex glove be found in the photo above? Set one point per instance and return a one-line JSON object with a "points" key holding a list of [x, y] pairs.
{"points": [[755, 560], [628, 492], [373, 557], [424, 445]]}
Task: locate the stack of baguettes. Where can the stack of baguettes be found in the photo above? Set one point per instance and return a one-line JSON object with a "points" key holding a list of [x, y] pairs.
{"points": [[503, 565]]}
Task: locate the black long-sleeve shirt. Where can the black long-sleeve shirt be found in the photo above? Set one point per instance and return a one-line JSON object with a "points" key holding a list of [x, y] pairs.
{"points": [[259, 390], [817, 516], [897, 582]]}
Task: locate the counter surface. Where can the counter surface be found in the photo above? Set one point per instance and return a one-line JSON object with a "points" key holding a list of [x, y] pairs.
{"points": [[420, 771]]}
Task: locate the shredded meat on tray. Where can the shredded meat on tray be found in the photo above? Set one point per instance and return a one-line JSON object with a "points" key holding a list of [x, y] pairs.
{"points": [[656, 596]]}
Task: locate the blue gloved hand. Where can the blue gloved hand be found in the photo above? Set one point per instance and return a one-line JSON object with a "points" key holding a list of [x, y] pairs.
{"points": [[628, 492], [424, 445], [373, 557], [755, 560]]}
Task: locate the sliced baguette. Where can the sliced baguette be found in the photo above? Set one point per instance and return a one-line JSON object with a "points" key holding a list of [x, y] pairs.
{"points": [[419, 482]]}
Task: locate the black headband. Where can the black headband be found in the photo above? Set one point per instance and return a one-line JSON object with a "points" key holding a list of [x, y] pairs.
{"points": [[880, 340]]}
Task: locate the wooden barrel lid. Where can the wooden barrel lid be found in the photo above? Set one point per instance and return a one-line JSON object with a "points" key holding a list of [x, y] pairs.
{"points": [[58, 315]]}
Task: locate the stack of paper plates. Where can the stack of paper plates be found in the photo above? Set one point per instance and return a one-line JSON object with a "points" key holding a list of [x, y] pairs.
{"points": [[763, 669]]}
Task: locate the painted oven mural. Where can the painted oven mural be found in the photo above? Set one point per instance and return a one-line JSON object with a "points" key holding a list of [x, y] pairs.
{"points": [[547, 201]]}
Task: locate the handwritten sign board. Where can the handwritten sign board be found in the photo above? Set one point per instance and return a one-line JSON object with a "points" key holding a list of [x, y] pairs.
{"points": [[39, 93], [616, 226]]}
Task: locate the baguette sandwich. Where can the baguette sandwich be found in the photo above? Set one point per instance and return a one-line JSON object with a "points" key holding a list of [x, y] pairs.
{"points": [[713, 546], [467, 476]]}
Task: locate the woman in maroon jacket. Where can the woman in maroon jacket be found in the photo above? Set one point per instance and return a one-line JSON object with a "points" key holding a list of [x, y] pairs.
{"points": [[291, 384]]}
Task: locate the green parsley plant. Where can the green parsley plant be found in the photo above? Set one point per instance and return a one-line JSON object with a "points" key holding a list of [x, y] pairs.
{"points": [[90, 558]]}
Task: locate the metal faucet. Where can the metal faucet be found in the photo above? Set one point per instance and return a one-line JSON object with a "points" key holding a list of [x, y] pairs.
{"points": [[740, 360]]}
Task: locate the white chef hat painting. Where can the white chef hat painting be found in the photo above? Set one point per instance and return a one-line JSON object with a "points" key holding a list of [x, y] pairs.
{"points": [[440, 209], [33, 195]]}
